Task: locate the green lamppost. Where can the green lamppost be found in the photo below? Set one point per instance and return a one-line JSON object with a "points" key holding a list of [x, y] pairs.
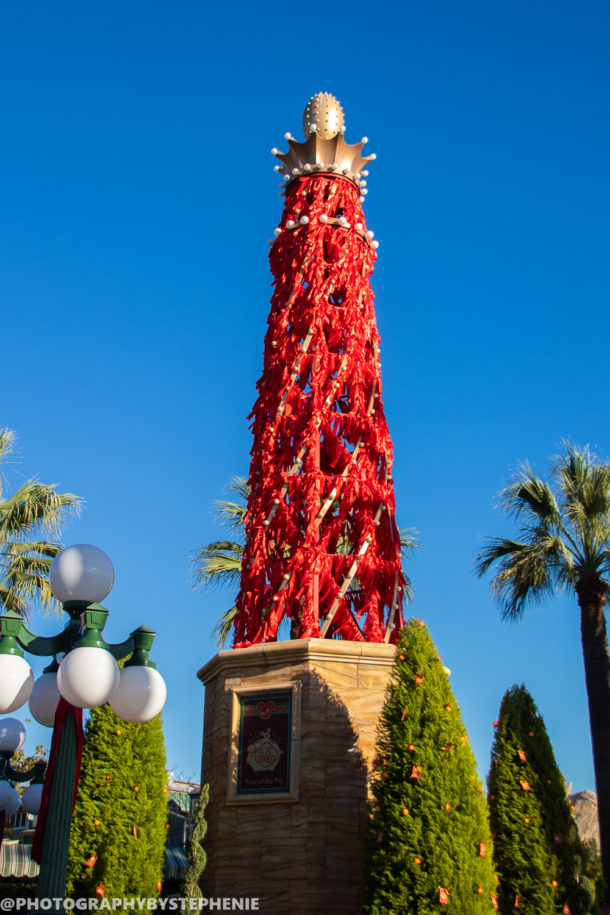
{"points": [[87, 676]]}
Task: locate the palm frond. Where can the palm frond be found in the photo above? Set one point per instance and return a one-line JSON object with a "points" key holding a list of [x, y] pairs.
{"points": [[11, 601], [565, 532], [34, 509], [224, 626], [7, 444], [409, 544], [585, 489], [232, 514], [217, 564], [35, 506], [526, 572], [24, 568], [46, 548], [408, 591], [530, 494], [409, 541]]}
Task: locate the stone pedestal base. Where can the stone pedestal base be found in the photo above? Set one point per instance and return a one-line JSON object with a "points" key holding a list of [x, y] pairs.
{"points": [[301, 851]]}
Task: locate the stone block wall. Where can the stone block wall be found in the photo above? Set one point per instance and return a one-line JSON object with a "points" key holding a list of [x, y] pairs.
{"points": [[299, 854]]}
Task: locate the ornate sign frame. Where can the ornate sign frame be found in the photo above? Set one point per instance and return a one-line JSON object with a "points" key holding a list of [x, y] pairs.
{"points": [[264, 755]]}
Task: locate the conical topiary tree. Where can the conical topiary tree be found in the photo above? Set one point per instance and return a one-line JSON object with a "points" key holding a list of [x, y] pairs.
{"points": [[196, 855], [119, 823], [537, 851], [429, 844]]}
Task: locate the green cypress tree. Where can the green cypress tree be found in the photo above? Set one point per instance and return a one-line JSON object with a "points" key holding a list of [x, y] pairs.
{"points": [[119, 824], [428, 848], [197, 857], [537, 850]]}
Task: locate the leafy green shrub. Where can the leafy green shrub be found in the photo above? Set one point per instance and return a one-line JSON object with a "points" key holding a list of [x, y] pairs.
{"points": [[429, 843], [118, 827]]}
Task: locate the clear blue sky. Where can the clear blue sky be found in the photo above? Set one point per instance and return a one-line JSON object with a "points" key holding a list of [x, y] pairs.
{"points": [[137, 196]]}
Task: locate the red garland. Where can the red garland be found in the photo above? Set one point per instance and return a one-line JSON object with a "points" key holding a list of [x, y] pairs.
{"points": [[64, 709], [322, 538]]}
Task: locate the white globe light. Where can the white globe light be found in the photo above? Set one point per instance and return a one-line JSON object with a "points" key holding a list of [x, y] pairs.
{"points": [[16, 682], [81, 572], [30, 800], [87, 677], [140, 695], [44, 699], [12, 735], [9, 799]]}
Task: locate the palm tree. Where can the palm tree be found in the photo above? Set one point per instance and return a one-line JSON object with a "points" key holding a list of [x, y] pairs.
{"points": [[32, 511], [219, 564], [565, 546]]}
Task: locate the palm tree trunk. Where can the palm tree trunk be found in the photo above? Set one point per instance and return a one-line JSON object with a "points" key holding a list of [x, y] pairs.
{"points": [[596, 655]]}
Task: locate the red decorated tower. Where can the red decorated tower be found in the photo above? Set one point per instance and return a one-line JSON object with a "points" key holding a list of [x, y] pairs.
{"points": [[322, 547]]}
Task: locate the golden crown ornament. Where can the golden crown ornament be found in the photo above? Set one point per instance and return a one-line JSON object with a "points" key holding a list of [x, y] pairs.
{"points": [[324, 149]]}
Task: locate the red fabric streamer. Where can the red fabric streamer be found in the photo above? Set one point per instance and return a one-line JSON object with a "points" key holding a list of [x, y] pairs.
{"points": [[322, 541], [64, 709]]}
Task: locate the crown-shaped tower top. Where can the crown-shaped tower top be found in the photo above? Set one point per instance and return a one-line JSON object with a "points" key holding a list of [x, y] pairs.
{"points": [[324, 149]]}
